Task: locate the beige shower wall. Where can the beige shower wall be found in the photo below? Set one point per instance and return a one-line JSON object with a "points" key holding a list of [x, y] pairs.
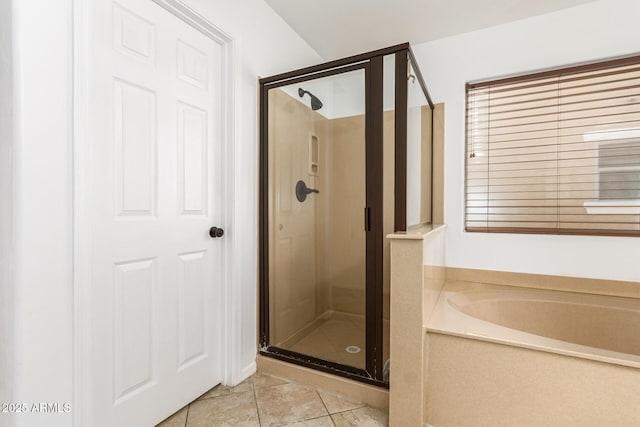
{"points": [[388, 199], [323, 213], [345, 152], [296, 297], [345, 237], [338, 213], [340, 209], [335, 214]]}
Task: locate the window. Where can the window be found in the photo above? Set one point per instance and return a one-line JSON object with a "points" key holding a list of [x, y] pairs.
{"points": [[618, 165], [556, 152]]}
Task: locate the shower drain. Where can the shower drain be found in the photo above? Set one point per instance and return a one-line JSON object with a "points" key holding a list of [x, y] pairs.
{"points": [[353, 349]]}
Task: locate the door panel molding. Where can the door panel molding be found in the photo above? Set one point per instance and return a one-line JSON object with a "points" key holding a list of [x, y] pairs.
{"points": [[230, 316]]}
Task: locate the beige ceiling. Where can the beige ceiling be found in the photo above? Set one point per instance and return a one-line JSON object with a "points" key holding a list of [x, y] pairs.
{"points": [[336, 28]]}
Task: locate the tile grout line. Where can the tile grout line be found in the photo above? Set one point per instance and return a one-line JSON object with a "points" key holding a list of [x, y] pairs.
{"points": [[186, 419], [286, 382], [364, 405], [352, 409], [200, 399], [255, 400], [325, 407], [309, 419]]}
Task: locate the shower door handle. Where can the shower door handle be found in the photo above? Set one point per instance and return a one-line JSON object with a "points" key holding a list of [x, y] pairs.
{"points": [[367, 219]]}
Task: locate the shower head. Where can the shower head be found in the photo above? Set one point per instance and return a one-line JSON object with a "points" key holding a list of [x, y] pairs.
{"points": [[316, 104]]}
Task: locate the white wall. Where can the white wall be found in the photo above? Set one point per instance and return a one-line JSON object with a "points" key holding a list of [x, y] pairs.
{"points": [[42, 207], [601, 29], [343, 95], [43, 181], [6, 211]]}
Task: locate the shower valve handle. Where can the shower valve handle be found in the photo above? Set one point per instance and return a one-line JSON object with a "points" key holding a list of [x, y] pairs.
{"points": [[302, 190]]}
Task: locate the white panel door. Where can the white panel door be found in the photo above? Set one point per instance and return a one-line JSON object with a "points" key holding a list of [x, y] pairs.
{"points": [[155, 190]]}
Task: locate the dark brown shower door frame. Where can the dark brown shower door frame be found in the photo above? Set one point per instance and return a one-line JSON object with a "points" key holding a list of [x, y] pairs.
{"points": [[372, 63], [374, 234]]}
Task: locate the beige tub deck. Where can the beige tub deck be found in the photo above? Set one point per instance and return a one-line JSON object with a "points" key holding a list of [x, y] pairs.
{"points": [[602, 328], [506, 356]]}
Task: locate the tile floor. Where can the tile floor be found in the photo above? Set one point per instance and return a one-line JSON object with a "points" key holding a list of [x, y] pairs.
{"points": [[264, 400]]}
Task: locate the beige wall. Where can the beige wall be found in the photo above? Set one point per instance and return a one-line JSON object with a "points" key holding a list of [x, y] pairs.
{"points": [[323, 213], [346, 154], [346, 258], [336, 219], [295, 272], [417, 277], [388, 200]]}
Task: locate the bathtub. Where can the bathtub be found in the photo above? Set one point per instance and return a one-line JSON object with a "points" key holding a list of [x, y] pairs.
{"points": [[595, 327], [511, 356]]}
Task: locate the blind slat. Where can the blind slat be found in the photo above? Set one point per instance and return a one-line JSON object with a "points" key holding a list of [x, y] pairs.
{"points": [[555, 153]]}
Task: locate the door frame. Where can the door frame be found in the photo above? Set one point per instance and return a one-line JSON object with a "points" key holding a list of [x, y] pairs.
{"points": [[231, 313]]}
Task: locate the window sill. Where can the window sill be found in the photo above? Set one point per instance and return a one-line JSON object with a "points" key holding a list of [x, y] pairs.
{"points": [[613, 207]]}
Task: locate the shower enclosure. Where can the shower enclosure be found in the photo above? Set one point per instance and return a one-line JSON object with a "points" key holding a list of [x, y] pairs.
{"points": [[345, 159]]}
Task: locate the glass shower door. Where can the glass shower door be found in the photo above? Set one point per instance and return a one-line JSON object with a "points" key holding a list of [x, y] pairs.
{"points": [[317, 217]]}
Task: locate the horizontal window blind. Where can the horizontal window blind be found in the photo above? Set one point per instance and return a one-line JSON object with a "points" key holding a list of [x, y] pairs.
{"points": [[556, 152]]}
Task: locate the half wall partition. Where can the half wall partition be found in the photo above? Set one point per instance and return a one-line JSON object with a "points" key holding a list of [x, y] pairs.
{"points": [[345, 159]]}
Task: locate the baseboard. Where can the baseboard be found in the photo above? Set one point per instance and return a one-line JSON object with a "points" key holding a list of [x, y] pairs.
{"points": [[247, 371]]}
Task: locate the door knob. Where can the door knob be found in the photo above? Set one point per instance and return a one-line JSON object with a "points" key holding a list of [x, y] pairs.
{"points": [[216, 232]]}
